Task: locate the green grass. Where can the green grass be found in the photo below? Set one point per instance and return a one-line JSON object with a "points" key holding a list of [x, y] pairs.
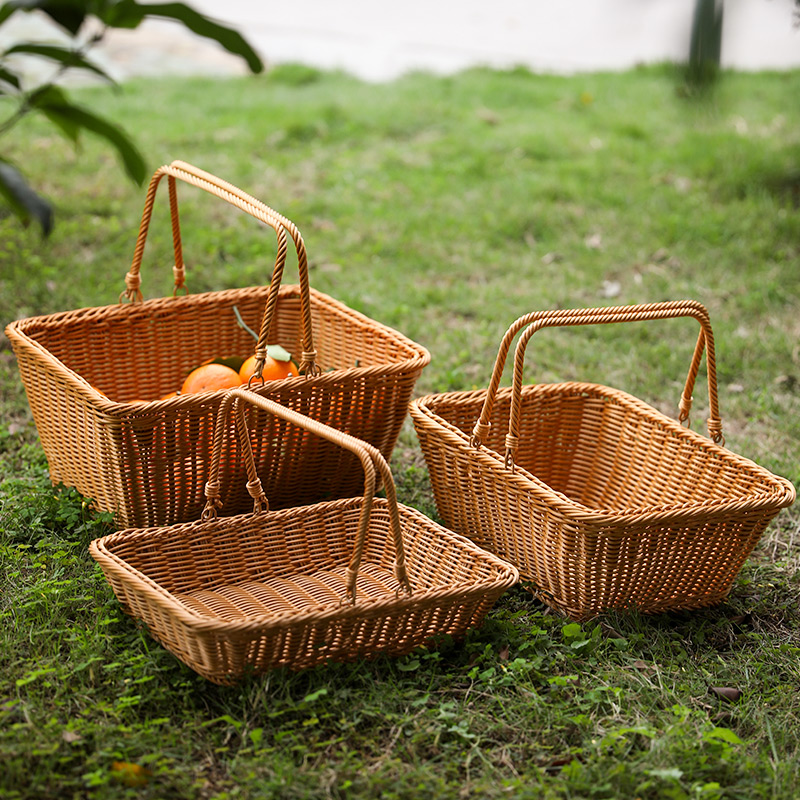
{"points": [[445, 207]]}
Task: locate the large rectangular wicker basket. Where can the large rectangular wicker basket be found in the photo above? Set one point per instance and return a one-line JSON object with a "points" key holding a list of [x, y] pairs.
{"points": [[600, 500], [332, 581], [148, 461]]}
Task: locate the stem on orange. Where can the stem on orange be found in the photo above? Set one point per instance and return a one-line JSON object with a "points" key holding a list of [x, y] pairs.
{"points": [[243, 324]]}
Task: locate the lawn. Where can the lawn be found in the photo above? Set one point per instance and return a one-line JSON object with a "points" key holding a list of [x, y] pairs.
{"points": [[446, 208]]}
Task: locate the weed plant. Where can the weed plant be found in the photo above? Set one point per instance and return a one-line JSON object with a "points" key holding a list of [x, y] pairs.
{"points": [[445, 207]]}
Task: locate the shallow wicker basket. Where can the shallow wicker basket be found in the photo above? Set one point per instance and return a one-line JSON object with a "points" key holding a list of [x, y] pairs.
{"points": [[600, 500], [332, 581], [148, 461]]}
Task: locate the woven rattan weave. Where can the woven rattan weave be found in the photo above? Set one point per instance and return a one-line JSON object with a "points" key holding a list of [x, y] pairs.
{"points": [[148, 461], [332, 581], [600, 500]]}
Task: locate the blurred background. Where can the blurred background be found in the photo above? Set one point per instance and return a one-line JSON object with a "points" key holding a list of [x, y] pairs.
{"points": [[380, 41]]}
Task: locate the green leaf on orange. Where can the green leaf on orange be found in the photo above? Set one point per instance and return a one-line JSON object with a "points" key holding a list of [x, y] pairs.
{"points": [[234, 362], [278, 353]]}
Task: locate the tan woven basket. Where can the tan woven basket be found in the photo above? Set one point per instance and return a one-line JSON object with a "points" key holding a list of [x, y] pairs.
{"points": [[600, 500], [148, 462], [332, 581]]}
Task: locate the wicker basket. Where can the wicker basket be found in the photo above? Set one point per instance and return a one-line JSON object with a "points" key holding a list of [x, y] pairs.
{"points": [[148, 461], [245, 594], [601, 501]]}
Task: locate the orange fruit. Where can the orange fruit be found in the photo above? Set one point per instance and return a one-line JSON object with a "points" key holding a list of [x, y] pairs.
{"points": [[274, 370], [169, 395], [210, 377]]}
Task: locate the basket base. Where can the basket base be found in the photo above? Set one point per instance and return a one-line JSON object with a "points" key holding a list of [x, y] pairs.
{"points": [[323, 589]]}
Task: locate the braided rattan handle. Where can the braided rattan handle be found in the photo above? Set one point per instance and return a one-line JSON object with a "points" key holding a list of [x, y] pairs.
{"points": [[370, 457], [236, 197], [308, 357], [590, 316]]}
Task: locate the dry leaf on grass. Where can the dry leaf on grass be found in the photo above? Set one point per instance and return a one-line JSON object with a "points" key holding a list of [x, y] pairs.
{"points": [[729, 693]]}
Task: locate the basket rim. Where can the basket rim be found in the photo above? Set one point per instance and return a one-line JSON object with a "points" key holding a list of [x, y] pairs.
{"points": [[506, 574], [781, 492], [418, 357]]}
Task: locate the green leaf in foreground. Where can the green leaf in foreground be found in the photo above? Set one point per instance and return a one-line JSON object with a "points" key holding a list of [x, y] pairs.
{"points": [[69, 14], [9, 77], [57, 107], [63, 55], [129, 14], [23, 200]]}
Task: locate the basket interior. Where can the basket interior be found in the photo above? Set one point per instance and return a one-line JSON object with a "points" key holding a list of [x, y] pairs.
{"points": [[607, 451], [144, 351], [295, 560]]}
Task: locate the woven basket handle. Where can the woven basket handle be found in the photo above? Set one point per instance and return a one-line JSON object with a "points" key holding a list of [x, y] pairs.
{"points": [[653, 311], [236, 197], [370, 457]]}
